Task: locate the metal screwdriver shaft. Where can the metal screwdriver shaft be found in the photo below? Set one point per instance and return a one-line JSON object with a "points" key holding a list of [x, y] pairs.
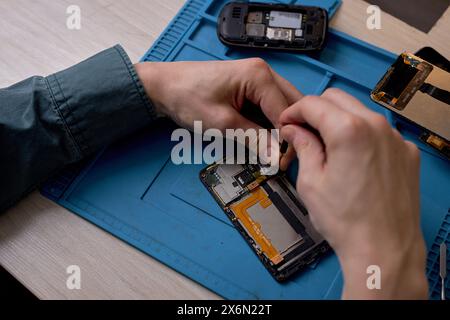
{"points": [[443, 267]]}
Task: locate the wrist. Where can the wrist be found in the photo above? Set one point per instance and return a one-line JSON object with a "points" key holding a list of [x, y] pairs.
{"points": [[384, 270], [150, 76]]}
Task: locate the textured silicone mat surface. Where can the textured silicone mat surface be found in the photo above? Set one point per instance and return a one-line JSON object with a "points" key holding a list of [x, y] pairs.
{"points": [[136, 193]]}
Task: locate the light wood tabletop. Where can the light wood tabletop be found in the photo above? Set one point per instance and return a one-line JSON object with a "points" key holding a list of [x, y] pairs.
{"points": [[39, 239]]}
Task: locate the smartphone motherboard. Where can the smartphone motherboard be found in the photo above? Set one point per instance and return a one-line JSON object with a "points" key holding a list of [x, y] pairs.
{"points": [[268, 213]]}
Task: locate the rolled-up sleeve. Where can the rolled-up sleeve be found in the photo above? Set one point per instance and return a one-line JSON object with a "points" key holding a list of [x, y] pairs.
{"points": [[49, 122]]}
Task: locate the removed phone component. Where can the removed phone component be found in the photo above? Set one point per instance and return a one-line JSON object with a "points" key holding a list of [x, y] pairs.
{"points": [[435, 92], [269, 26], [420, 92], [255, 30], [279, 34], [402, 81], [284, 19], [255, 17], [443, 267]]}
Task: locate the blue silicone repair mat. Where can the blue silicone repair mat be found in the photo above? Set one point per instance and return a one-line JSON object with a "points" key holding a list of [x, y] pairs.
{"points": [[135, 192]]}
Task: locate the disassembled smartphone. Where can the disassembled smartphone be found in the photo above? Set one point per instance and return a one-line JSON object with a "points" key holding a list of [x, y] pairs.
{"points": [[420, 92], [273, 26], [268, 213]]}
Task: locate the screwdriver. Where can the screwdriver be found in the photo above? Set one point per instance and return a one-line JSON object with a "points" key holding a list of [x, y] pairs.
{"points": [[443, 268], [283, 148]]}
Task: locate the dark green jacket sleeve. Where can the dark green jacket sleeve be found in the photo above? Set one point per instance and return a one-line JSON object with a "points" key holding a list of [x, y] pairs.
{"points": [[49, 122]]}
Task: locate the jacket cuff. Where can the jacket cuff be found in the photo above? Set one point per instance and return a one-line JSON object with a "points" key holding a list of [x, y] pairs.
{"points": [[100, 100]]}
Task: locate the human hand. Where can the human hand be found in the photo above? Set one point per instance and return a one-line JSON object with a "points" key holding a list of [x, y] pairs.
{"points": [[360, 183], [215, 91]]}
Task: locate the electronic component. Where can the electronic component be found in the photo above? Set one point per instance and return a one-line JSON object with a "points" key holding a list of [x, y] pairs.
{"points": [[437, 143], [283, 19], [279, 34], [273, 26], [255, 17], [244, 178], [266, 225], [255, 30], [420, 92], [225, 186], [268, 213]]}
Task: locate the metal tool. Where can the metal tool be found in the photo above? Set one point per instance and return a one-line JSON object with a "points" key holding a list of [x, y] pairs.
{"points": [[283, 147], [443, 268]]}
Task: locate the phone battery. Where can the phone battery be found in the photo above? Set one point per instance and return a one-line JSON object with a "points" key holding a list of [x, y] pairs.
{"points": [[284, 19]]}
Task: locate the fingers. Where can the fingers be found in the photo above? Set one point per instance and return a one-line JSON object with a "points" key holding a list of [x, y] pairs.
{"points": [[290, 92], [287, 158], [317, 112], [262, 89], [414, 153], [241, 122], [351, 104], [292, 95], [347, 102], [261, 143], [310, 150]]}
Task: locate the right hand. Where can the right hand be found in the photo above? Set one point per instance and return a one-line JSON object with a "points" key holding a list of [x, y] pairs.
{"points": [[360, 183]]}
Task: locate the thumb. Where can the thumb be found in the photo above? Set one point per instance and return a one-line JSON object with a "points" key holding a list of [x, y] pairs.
{"points": [[309, 149]]}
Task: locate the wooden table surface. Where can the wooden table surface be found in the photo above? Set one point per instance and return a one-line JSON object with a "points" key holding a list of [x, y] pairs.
{"points": [[39, 239]]}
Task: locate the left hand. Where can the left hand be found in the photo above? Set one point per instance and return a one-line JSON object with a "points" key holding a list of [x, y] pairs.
{"points": [[214, 92]]}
